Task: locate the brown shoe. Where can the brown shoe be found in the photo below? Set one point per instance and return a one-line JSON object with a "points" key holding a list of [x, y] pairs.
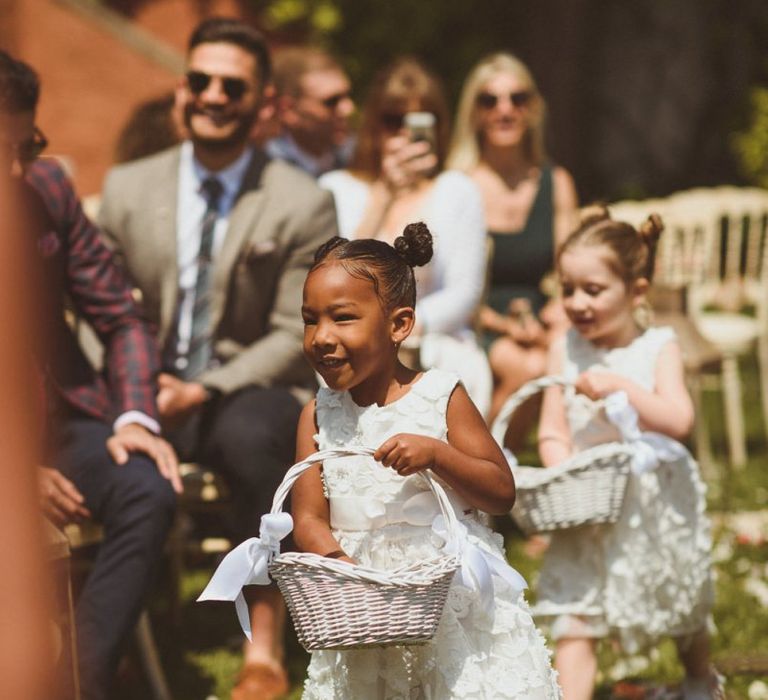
{"points": [[260, 682]]}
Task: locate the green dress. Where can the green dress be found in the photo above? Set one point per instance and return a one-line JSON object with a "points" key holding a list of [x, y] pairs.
{"points": [[522, 258]]}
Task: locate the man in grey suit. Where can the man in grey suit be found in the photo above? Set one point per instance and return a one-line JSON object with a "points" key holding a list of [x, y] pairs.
{"points": [[218, 238]]}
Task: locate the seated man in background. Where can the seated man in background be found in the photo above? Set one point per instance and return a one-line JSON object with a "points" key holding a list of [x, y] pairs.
{"points": [[104, 459], [219, 239], [314, 107]]}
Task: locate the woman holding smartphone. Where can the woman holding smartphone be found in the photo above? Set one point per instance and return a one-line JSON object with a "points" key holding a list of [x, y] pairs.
{"points": [[396, 177], [530, 206]]}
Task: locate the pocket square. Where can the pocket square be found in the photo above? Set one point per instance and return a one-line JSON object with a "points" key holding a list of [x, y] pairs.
{"points": [[259, 249], [48, 244]]}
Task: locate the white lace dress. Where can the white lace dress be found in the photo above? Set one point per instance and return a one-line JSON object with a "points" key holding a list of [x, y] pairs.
{"points": [[648, 575], [475, 654]]}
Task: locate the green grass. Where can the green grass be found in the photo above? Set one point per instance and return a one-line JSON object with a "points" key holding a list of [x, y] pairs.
{"points": [[201, 649]]}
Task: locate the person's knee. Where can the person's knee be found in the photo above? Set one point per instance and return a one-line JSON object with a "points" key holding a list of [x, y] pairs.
{"points": [[502, 351], [261, 425], [536, 363], [248, 437], [140, 487]]}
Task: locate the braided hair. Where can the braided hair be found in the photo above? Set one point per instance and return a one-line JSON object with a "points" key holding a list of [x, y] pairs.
{"points": [[388, 267]]}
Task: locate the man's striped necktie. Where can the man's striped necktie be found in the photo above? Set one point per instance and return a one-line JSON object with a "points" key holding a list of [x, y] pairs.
{"points": [[199, 354]]}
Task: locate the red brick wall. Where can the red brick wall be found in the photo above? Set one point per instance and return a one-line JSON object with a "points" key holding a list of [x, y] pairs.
{"points": [[174, 20], [91, 79]]}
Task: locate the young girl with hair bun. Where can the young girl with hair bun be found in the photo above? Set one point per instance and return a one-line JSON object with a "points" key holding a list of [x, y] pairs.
{"points": [[358, 308], [649, 575]]}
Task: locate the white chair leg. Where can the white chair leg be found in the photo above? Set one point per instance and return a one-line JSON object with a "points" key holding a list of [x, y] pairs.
{"points": [[701, 437], [762, 361], [150, 659], [734, 411]]}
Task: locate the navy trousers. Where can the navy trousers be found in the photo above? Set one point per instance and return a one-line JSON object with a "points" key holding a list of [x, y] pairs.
{"points": [[249, 437], [135, 505]]}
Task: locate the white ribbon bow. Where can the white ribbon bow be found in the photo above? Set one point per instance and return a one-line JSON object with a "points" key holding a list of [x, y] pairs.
{"points": [[650, 448], [247, 564], [478, 566]]}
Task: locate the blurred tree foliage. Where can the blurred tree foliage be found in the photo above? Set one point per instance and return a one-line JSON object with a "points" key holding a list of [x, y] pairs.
{"points": [[751, 145], [449, 35], [644, 97]]}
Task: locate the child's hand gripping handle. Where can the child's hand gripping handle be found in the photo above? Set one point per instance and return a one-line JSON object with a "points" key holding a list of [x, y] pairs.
{"points": [[248, 563]]}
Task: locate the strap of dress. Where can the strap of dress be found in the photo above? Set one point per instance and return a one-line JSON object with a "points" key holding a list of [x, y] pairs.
{"points": [[326, 400], [436, 386], [655, 338], [542, 214]]}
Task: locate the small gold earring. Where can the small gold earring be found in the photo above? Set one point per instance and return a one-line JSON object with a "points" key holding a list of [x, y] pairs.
{"points": [[644, 314]]}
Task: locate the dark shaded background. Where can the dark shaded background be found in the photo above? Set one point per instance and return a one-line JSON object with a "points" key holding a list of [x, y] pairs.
{"points": [[644, 95]]}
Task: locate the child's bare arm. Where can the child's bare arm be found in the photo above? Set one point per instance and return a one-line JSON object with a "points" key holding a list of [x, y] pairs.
{"points": [[554, 433], [309, 507], [470, 462], [667, 409]]}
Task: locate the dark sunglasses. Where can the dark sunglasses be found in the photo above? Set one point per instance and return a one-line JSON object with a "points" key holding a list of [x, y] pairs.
{"points": [[333, 101], [234, 88], [29, 150], [391, 121], [487, 100]]}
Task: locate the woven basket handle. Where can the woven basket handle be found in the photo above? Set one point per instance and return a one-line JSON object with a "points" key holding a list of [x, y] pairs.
{"points": [[446, 508], [501, 422]]}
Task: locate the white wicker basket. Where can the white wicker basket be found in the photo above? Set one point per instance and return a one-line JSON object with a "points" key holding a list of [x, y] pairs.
{"points": [[337, 605], [586, 489]]}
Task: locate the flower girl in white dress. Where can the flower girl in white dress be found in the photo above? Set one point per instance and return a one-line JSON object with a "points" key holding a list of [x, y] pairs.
{"points": [[648, 575], [358, 307]]}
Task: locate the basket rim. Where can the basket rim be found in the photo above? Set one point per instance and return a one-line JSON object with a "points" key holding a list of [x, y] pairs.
{"points": [[531, 477], [420, 573]]}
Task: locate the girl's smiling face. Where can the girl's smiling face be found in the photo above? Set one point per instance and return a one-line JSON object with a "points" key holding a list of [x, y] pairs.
{"points": [[349, 338], [598, 301]]}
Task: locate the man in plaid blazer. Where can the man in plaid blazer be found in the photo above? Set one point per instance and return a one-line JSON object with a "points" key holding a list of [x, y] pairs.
{"points": [[102, 453]]}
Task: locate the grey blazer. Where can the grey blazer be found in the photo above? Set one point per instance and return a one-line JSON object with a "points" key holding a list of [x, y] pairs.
{"points": [[279, 219]]}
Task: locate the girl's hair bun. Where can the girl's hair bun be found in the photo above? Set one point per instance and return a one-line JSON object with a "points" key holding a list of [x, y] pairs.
{"points": [[593, 214], [415, 245], [651, 229]]}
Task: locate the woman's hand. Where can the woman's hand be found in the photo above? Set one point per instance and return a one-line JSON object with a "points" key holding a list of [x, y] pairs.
{"points": [[492, 321], [527, 331], [598, 385], [407, 453], [405, 163], [523, 326]]}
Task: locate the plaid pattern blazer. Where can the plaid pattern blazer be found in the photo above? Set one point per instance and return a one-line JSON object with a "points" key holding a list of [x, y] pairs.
{"points": [[76, 269]]}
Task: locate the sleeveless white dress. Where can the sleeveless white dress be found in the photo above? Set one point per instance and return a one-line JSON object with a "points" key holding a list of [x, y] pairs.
{"points": [[649, 575], [476, 654]]}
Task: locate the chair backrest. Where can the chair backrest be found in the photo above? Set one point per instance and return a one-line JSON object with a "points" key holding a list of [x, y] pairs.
{"points": [[745, 242], [715, 243]]}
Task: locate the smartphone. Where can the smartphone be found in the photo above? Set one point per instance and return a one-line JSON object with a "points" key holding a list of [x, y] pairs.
{"points": [[421, 127]]}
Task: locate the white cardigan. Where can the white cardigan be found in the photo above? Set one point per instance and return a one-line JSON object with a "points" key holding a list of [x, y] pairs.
{"points": [[450, 291]]}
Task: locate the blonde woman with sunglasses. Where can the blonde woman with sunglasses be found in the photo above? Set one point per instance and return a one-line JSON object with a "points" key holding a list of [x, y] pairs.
{"points": [[530, 205]]}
